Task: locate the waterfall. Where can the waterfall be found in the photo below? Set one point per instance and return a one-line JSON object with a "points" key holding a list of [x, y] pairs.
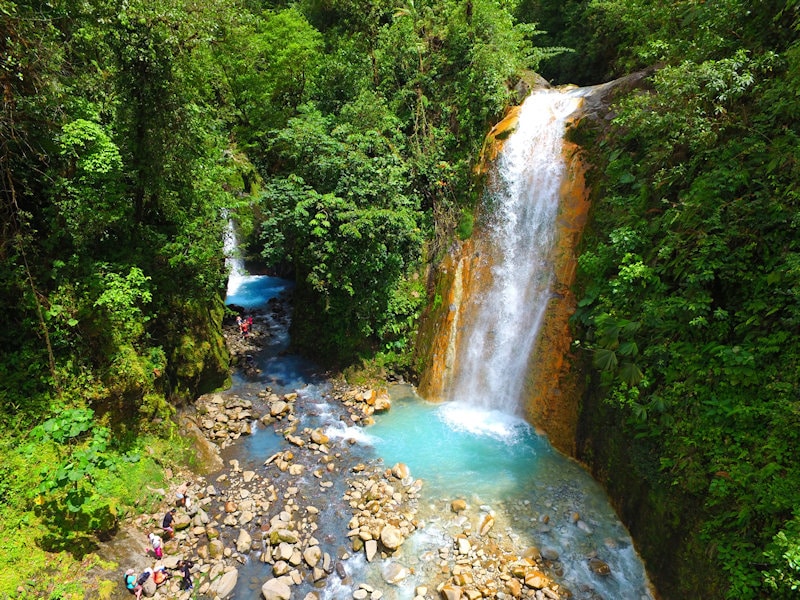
{"points": [[514, 239], [233, 259]]}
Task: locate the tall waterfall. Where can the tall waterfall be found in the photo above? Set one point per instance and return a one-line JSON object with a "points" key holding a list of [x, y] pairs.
{"points": [[233, 259], [514, 239]]}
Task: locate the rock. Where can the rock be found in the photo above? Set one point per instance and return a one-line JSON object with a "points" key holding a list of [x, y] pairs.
{"points": [[463, 546], [281, 568], [550, 554], [458, 505], [181, 521], [382, 402], [536, 579], [486, 525], [243, 542], [401, 471], [360, 594], [277, 536], [275, 589], [514, 587], [318, 437], [599, 567], [284, 551], [278, 408], [149, 588], [312, 555], [216, 549], [395, 573], [450, 592], [370, 549], [391, 537], [223, 586]]}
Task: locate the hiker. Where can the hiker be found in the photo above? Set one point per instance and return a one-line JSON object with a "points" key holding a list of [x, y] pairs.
{"points": [[185, 567], [180, 494], [166, 524], [158, 549], [131, 583], [239, 323], [245, 328], [140, 582], [160, 575]]}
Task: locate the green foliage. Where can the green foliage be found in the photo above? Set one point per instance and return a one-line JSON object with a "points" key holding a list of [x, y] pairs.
{"points": [[465, 225], [693, 240]]}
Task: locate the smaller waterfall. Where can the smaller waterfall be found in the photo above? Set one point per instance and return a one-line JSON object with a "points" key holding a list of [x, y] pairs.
{"points": [[233, 259], [502, 318]]}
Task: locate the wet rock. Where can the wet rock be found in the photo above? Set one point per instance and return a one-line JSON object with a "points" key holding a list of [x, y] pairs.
{"points": [[225, 584], [486, 525], [243, 542], [599, 567], [391, 537], [401, 471], [450, 592], [370, 549], [458, 505], [395, 573], [276, 589], [312, 555]]}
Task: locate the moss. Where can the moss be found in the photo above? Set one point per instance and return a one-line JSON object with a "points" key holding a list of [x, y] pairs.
{"points": [[466, 223], [199, 359]]}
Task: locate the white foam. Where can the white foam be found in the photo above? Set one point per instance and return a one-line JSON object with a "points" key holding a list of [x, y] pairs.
{"points": [[478, 421], [341, 431]]}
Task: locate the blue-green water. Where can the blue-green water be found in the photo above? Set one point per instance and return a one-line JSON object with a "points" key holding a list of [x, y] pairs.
{"points": [[499, 463]]}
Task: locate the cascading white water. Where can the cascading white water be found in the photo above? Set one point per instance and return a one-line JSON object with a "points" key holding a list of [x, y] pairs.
{"points": [[516, 237], [233, 259]]}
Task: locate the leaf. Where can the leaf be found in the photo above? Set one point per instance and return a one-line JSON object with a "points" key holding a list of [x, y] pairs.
{"points": [[630, 374], [605, 360]]}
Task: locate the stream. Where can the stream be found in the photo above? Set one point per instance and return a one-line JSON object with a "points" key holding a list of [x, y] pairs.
{"points": [[494, 461]]}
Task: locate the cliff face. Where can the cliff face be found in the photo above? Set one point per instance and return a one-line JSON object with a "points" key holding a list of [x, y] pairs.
{"points": [[552, 391]]}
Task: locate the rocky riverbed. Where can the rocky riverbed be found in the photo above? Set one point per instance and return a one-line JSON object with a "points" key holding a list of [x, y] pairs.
{"points": [[314, 507], [272, 514]]}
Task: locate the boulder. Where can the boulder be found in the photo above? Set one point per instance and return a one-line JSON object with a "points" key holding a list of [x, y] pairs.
{"points": [[181, 521], [458, 505], [382, 402], [395, 573], [243, 542], [486, 525], [149, 588], [216, 549], [450, 592], [391, 537], [223, 586], [312, 555], [275, 589], [599, 567], [318, 437], [401, 471], [370, 548]]}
